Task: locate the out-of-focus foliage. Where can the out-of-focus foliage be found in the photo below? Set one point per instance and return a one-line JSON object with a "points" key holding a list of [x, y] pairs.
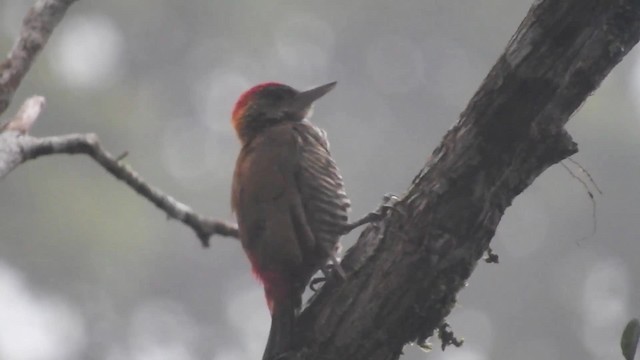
{"points": [[89, 270], [629, 339]]}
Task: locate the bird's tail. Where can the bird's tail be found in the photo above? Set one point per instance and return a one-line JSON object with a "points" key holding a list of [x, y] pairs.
{"points": [[283, 302]]}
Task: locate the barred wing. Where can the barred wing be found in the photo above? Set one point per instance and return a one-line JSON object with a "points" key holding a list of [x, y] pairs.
{"points": [[321, 189]]}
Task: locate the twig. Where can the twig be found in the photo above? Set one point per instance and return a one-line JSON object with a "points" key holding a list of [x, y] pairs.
{"points": [[36, 29], [28, 148], [594, 216], [122, 156], [584, 171], [26, 116]]}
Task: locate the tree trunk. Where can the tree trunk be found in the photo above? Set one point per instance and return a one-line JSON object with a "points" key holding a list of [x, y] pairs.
{"points": [[405, 271]]}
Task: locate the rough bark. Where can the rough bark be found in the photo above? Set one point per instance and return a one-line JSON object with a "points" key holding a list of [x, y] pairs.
{"points": [[37, 26], [405, 271]]}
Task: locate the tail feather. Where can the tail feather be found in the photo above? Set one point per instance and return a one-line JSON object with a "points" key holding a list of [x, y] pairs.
{"points": [[282, 324]]}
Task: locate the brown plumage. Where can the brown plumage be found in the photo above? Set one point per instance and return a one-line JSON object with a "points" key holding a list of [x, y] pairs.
{"points": [[288, 197]]}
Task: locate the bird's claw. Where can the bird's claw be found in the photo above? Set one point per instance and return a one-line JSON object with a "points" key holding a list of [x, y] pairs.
{"points": [[315, 282], [334, 267], [389, 202], [328, 272]]}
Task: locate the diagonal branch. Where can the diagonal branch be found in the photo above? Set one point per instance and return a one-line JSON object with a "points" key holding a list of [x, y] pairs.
{"points": [[37, 26], [404, 273]]}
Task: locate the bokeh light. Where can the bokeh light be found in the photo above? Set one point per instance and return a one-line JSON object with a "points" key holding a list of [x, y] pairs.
{"points": [[524, 227], [249, 315], [605, 306], [303, 47], [395, 64], [35, 325], [87, 52], [98, 273]]}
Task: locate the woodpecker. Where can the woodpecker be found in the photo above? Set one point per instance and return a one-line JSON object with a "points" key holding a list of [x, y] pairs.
{"points": [[288, 197]]}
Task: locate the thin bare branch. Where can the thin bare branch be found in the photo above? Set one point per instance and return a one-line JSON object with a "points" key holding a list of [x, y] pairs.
{"points": [[37, 26], [594, 216], [16, 149], [405, 271], [26, 116], [588, 174]]}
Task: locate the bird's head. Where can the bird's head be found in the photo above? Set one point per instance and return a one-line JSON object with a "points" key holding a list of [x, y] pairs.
{"points": [[271, 103]]}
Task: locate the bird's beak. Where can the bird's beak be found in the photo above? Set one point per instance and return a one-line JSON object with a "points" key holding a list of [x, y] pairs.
{"points": [[305, 99]]}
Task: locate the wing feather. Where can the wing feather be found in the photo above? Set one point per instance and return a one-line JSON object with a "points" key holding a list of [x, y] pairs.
{"points": [[321, 186]]}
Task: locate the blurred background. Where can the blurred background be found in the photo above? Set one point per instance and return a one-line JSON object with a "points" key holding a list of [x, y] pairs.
{"points": [[89, 270]]}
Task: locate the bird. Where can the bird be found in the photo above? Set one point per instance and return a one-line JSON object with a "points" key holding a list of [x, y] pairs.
{"points": [[288, 197]]}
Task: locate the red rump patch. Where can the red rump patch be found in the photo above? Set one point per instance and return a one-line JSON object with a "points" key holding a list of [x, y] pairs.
{"points": [[276, 286], [242, 102]]}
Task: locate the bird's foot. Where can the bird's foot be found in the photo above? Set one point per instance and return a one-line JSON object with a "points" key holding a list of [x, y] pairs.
{"points": [[315, 282], [334, 268], [389, 202], [329, 271]]}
